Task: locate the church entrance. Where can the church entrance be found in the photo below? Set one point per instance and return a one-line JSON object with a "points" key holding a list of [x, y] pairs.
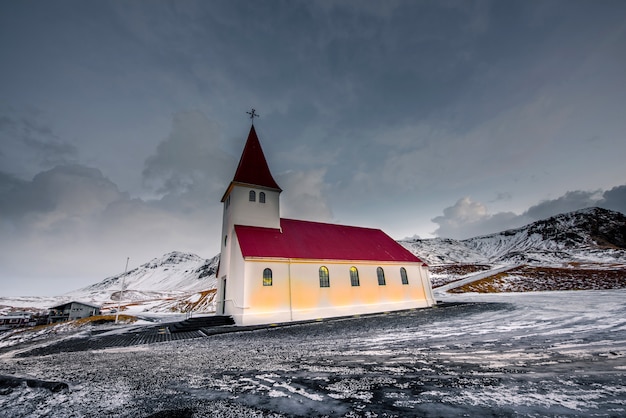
{"points": [[223, 304]]}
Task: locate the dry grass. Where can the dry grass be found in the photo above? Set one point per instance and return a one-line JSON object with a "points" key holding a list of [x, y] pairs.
{"points": [[458, 269], [103, 319], [205, 299], [447, 273], [529, 278]]}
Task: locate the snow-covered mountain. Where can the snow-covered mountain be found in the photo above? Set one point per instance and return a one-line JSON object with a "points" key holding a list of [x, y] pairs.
{"points": [[175, 282], [592, 235], [173, 273]]}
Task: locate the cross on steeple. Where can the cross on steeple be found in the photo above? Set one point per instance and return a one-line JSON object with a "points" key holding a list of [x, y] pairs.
{"points": [[253, 115]]}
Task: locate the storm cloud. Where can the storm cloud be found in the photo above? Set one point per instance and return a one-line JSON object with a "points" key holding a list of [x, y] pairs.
{"points": [[122, 122], [467, 218]]}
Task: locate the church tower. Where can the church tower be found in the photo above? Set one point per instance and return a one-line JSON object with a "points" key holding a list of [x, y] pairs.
{"points": [[251, 199]]}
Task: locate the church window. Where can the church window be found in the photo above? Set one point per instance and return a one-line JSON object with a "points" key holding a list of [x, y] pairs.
{"points": [[252, 196], [324, 277], [262, 197], [354, 276], [405, 279], [225, 240], [381, 276], [267, 277]]}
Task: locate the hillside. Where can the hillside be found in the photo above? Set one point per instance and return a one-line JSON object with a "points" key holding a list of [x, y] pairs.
{"points": [[591, 235], [172, 274], [591, 241], [175, 282]]}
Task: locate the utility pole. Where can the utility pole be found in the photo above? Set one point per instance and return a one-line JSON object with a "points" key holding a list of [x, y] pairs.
{"points": [[119, 301]]}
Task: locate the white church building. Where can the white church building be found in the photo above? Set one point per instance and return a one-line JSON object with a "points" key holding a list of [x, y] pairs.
{"points": [[275, 270]]}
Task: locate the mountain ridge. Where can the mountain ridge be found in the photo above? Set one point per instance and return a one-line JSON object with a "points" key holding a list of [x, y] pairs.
{"points": [[586, 235]]}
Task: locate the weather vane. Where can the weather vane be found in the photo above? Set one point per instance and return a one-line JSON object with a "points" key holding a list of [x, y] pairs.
{"points": [[252, 114]]}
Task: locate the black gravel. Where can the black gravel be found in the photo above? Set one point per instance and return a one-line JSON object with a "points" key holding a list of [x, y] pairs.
{"points": [[474, 359]]}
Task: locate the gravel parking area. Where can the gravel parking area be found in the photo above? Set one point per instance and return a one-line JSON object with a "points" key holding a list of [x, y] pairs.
{"points": [[542, 354]]}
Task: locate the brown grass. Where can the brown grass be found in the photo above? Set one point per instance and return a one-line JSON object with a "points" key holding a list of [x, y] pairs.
{"points": [[529, 278]]}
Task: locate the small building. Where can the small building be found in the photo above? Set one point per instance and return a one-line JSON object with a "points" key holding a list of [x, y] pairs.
{"points": [[18, 319], [72, 310], [274, 269]]}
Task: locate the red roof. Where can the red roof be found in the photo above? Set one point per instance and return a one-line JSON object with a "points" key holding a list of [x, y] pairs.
{"points": [[320, 241], [253, 168]]}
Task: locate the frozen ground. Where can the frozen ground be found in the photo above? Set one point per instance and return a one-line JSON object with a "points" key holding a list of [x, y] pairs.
{"points": [[514, 354]]}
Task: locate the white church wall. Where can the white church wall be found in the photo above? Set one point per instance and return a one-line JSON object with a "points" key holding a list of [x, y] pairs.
{"points": [[427, 285], [235, 303], [296, 294], [239, 210], [267, 304]]}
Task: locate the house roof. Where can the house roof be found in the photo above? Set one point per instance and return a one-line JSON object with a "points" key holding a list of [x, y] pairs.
{"points": [[320, 241], [253, 168], [75, 301]]}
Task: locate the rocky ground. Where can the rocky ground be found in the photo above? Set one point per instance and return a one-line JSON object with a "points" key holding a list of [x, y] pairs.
{"points": [[508, 354]]}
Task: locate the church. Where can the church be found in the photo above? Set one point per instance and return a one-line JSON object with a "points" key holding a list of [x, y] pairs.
{"points": [[275, 270]]}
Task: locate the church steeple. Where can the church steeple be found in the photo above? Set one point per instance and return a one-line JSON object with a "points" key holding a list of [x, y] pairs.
{"points": [[251, 199], [253, 169]]}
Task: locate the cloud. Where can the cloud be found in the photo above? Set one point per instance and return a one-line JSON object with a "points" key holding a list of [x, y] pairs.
{"points": [[28, 140], [614, 199], [467, 218], [189, 158], [57, 195], [569, 202], [78, 225], [304, 195]]}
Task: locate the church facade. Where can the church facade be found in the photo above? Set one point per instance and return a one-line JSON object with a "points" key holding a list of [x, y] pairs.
{"points": [[275, 270]]}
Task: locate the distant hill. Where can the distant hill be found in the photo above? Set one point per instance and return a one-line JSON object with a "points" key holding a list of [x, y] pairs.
{"points": [[180, 282], [175, 282], [592, 235], [171, 274]]}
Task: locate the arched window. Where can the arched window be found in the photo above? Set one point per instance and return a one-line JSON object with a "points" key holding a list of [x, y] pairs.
{"points": [[354, 276], [381, 276], [262, 197], [324, 277], [267, 277], [252, 196], [405, 279]]}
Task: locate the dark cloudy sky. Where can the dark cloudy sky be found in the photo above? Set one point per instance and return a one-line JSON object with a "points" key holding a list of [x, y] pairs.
{"points": [[121, 122]]}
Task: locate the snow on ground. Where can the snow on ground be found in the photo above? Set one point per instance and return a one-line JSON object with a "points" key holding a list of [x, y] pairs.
{"points": [[509, 354]]}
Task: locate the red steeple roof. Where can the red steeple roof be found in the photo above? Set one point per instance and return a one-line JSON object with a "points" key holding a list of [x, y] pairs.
{"points": [[253, 168]]}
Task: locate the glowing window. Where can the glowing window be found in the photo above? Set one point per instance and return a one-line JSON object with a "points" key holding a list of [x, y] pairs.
{"points": [[252, 196], [381, 276], [267, 277], [354, 276], [324, 277], [405, 279], [262, 197]]}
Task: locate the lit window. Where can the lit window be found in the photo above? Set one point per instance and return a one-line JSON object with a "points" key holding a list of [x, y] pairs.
{"points": [[324, 277], [354, 276], [405, 279], [381, 276], [267, 277], [252, 196], [262, 197]]}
